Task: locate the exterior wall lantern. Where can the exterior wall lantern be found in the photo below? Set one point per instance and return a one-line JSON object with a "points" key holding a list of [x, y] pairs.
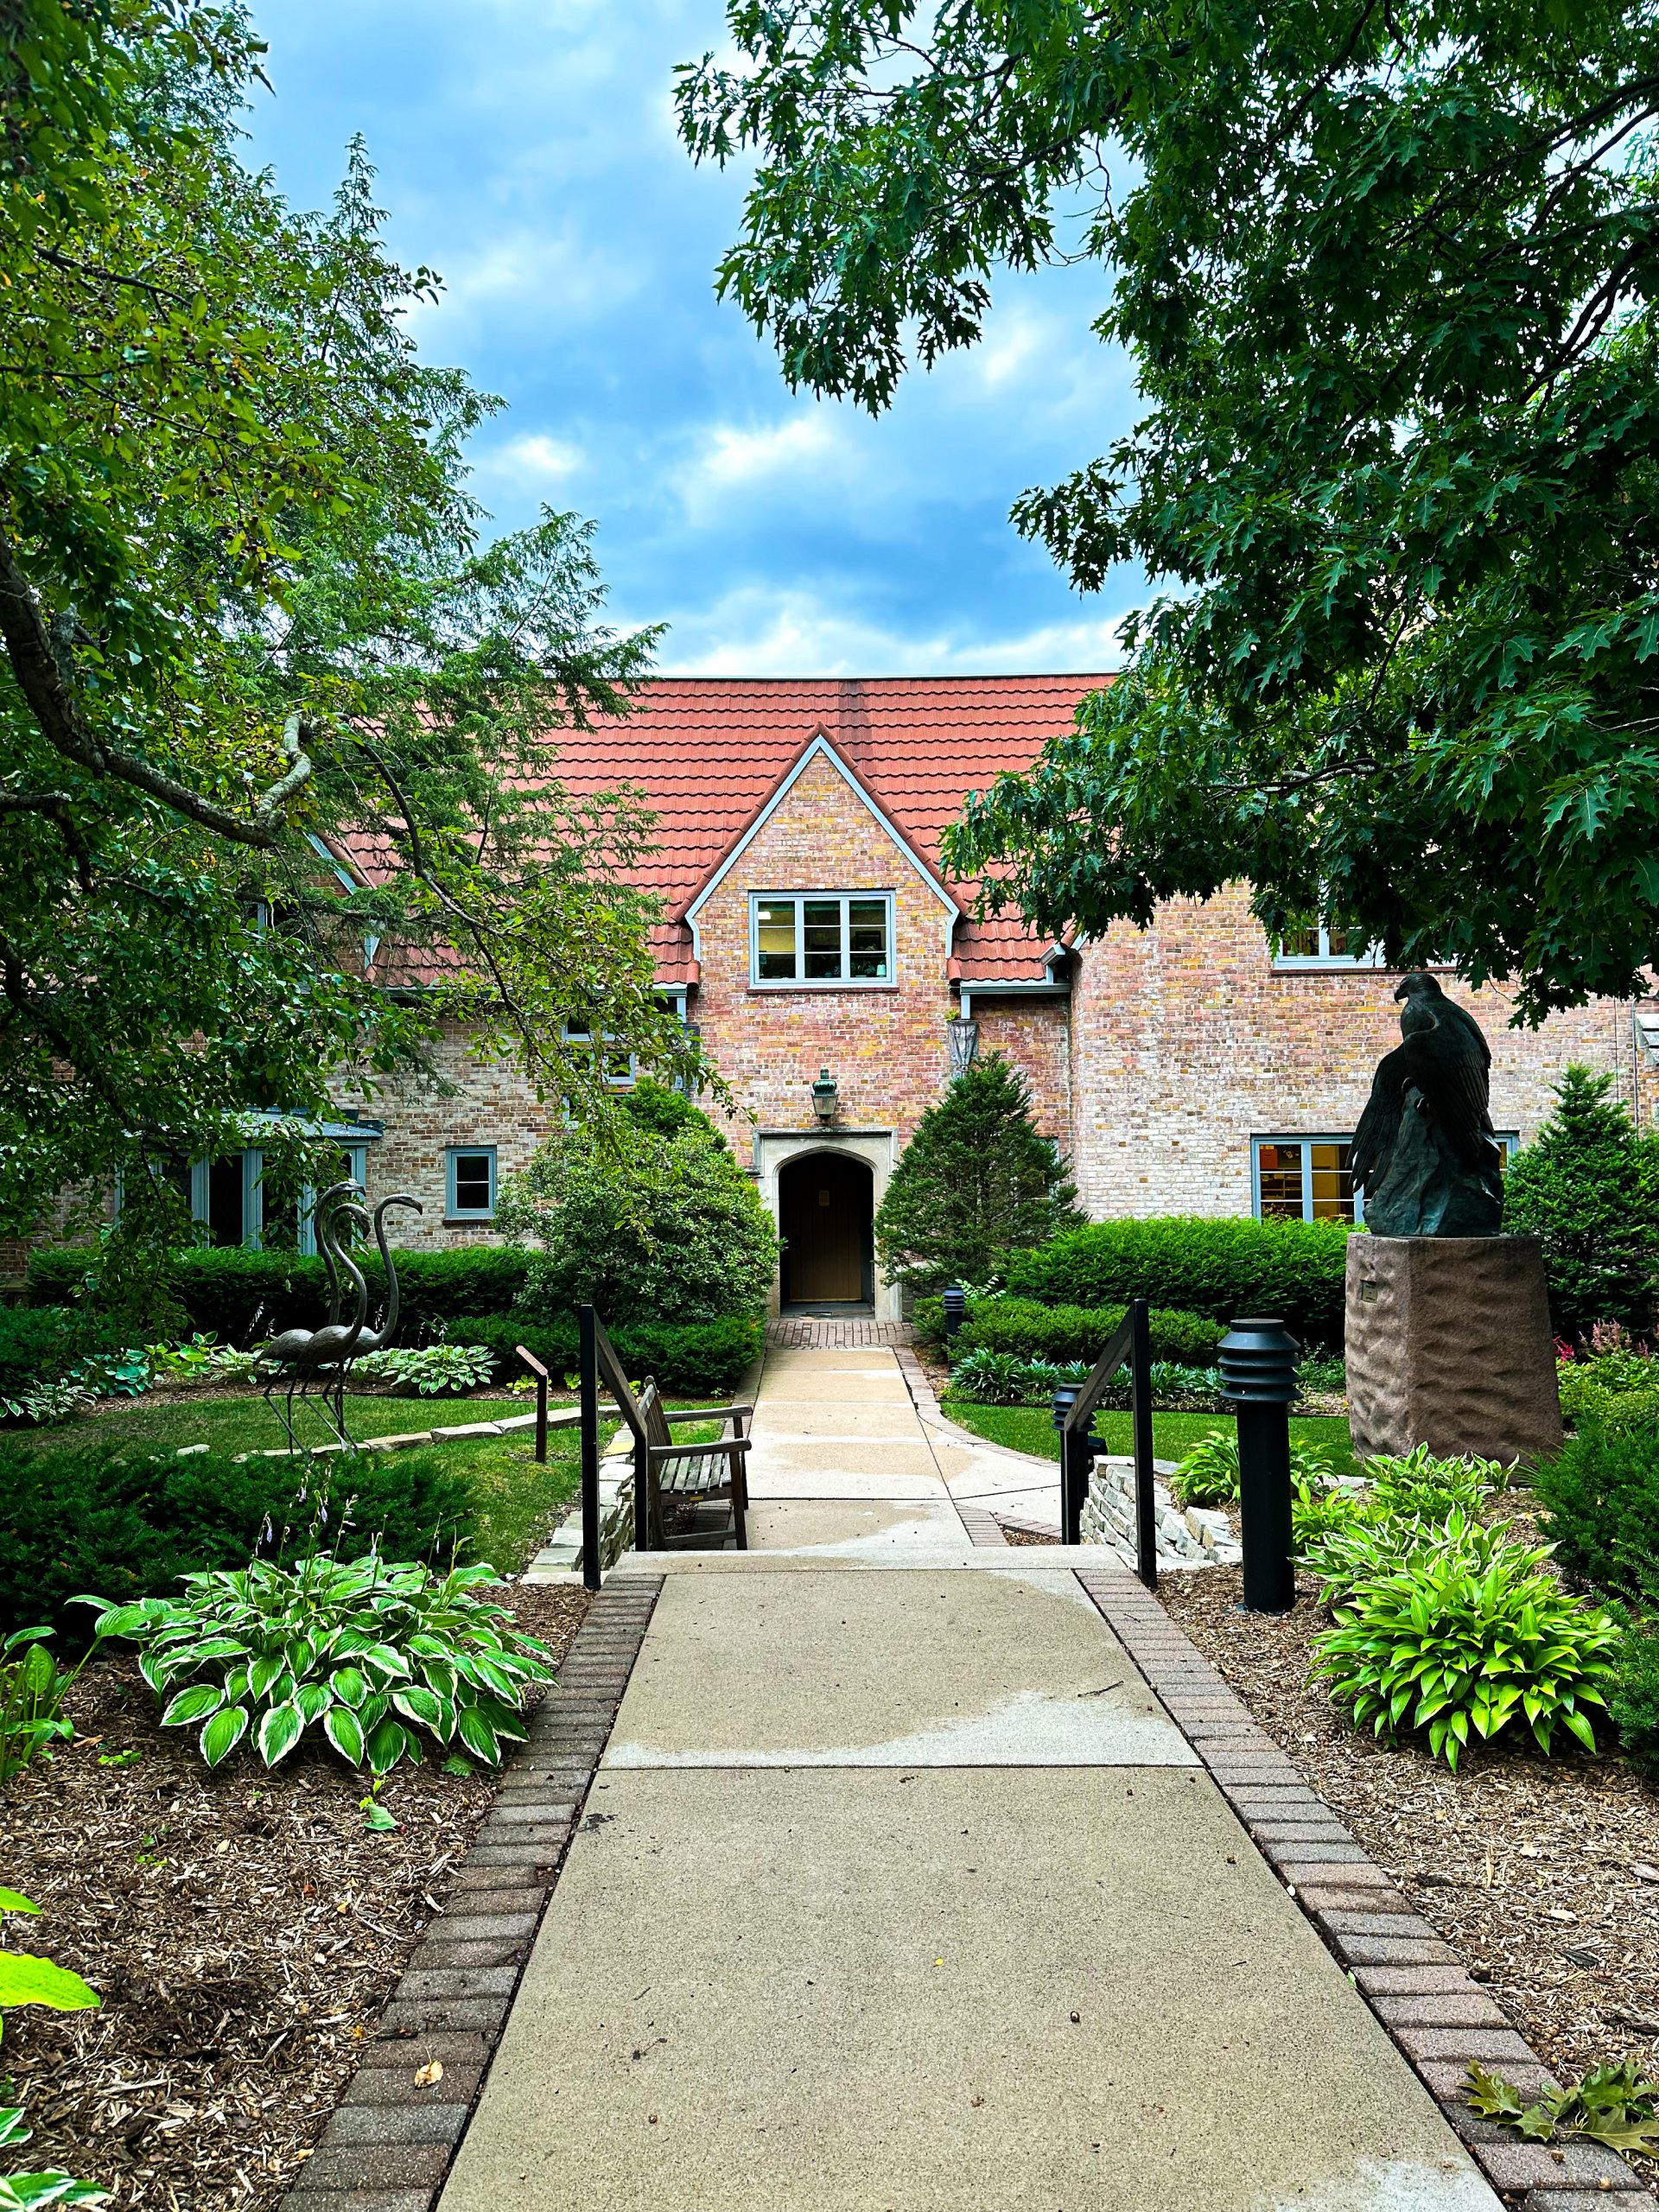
{"points": [[826, 1097], [963, 1036]]}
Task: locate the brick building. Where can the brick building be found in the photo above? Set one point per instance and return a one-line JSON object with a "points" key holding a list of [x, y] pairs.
{"points": [[810, 936]]}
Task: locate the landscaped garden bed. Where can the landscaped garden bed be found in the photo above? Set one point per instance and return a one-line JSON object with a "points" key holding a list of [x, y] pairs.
{"points": [[1543, 1873], [242, 1926]]}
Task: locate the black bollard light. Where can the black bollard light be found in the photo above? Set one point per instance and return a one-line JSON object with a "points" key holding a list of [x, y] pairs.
{"points": [[955, 1308], [1258, 1379]]}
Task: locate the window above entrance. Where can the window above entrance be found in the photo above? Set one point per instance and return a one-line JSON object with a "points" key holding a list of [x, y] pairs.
{"points": [[838, 938]]}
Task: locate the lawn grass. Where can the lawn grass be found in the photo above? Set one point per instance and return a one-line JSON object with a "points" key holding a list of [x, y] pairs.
{"points": [[520, 1503], [1030, 1428]]}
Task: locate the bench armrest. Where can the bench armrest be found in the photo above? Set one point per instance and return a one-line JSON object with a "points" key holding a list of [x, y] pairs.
{"points": [[707, 1412], [726, 1448]]}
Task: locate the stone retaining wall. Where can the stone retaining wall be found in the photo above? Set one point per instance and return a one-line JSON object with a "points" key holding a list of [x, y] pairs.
{"points": [[1193, 1535]]}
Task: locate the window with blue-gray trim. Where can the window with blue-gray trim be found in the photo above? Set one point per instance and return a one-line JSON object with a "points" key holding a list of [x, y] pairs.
{"points": [[470, 1182]]}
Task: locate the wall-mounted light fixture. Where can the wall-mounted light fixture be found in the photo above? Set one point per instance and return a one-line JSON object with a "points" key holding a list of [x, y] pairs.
{"points": [[826, 1095]]}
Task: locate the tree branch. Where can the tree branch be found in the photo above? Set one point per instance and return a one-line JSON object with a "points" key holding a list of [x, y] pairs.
{"points": [[40, 679], [56, 804]]}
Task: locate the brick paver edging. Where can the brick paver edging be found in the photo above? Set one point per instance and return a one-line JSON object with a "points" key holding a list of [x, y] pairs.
{"points": [[389, 2144], [1439, 2018]]}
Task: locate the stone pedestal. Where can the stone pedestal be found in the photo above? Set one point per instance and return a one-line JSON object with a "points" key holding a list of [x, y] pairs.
{"points": [[1449, 1345]]}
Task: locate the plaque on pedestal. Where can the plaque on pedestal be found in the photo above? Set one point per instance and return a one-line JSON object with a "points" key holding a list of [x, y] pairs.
{"points": [[1449, 1345]]}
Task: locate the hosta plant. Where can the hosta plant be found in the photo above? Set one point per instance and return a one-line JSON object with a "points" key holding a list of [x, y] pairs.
{"points": [[433, 1371], [1208, 1474], [1416, 1484], [24, 2192], [32, 1692], [1456, 1628], [372, 1654]]}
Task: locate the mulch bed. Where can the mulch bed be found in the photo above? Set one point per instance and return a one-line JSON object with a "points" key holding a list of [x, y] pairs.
{"points": [[1543, 1873], [243, 1928]]}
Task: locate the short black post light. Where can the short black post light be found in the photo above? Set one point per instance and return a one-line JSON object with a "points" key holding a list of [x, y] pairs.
{"points": [[1258, 1379], [954, 1302], [826, 1096]]}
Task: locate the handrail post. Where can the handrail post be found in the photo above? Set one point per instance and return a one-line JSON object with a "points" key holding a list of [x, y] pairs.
{"points": [[1145, 1505], [589, 1380]]}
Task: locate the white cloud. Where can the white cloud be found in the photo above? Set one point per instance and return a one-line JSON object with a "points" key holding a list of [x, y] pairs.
{"points": [[810, 452], [549, 278], [534, 462], [758, 632]]}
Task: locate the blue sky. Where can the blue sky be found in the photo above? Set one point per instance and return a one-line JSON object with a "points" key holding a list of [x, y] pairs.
{"points": [[526, 152]]}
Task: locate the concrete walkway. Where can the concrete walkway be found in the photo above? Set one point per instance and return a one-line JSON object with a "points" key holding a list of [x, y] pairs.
{"points": [[899, 1889]]}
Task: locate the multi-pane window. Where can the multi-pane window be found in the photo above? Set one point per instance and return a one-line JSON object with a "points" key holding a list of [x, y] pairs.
{"points": [[619, 1068], [823, 937], [1311, 1179], [471, 1195], [1317, 945], [1305, 1179]]}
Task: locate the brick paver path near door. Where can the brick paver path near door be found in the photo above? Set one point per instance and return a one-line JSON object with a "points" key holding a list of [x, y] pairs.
{"points": [[899, 1889]]}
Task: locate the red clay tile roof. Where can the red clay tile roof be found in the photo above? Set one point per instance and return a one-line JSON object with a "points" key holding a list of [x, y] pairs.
{"points": [[709, 751]]}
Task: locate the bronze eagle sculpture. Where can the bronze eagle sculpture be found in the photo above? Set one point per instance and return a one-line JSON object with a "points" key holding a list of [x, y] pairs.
{"points": [[1425, 1155]]}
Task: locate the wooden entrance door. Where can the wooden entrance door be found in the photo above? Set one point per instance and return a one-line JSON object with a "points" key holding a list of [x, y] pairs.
{"points": [[824, 1203]]}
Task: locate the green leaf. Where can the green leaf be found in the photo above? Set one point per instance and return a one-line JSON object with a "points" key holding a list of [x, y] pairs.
{"points": [[224, 1732], [378, 1818], [387, 1744], [10, 1901], [476, 1733], [27, 1980], [193, 1704], [350, 1685], [279, 1731], [344, 1732]]}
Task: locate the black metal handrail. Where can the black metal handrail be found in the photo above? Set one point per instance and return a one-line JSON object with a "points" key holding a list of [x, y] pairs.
{"points": [[1133, 1344], [598, 1358]]}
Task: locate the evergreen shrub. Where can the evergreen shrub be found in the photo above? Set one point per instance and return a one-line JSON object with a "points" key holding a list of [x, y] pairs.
{"points": [[1600, 1495], [1222, 1268], [1634, 1699], [977, 1181], [1589, 1187], [127, 1523]]}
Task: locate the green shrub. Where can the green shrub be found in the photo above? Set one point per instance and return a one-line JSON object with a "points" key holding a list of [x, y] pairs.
{"points": [[1452, 1626], [1600, 1495], [41, 1343], [371, 1652], [990, 1378], [661, 1231], [1417, 1486], [130, 1523], [702, 1359], [224, 1289], [1220, 1268], [977, 1181], [1634, 1699], [1033, 1330], [1587, 1185]]}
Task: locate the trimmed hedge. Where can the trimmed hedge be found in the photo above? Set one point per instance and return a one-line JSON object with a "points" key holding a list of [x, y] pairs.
{"points": [[121, 1524], [223, 1288], [1221, 1268], [702, 1359], [1029, 1331]]}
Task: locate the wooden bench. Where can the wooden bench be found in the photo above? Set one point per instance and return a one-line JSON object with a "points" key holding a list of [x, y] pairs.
{"points": [[694, 1471]]}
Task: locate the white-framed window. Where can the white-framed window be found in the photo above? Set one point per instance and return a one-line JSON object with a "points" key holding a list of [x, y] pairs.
{"points": [[469, 1182], [807, 938], [621, 1071], [1311, 1178], [1319, 945]]}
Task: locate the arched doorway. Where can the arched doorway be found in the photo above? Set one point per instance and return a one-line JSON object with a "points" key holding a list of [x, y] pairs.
{"points": [[826, 1203]]}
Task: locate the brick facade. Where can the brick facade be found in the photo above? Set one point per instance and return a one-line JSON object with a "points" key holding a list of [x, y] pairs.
{"points": [[1187, 1042], [1172, 1051]]}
